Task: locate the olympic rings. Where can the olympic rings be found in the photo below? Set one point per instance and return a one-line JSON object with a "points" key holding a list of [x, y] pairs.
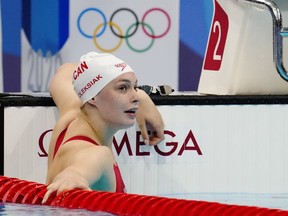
{"points": [[131, 30], [136, 23], [139, 50], [95, 36], [85, 11], [168, 18]]}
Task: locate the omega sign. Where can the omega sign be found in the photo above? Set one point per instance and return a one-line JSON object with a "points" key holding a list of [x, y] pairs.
{"points": [[122, 144]]}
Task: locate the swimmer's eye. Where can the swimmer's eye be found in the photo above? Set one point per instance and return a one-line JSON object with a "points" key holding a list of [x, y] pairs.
{"points": [[123, 88]]}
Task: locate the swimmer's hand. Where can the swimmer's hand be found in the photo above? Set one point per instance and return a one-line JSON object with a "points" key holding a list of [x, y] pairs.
{"points": [[148, 115], [66, 180]]}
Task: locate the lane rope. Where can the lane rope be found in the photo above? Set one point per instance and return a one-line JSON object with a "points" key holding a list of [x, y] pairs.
{"points": [[14, 190]]}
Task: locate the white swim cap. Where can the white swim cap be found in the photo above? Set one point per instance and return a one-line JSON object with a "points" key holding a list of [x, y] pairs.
{"points": [[95, 71]]}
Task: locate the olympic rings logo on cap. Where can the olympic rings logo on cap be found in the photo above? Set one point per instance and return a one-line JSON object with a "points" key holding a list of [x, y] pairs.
{"points": [[118, 32]]}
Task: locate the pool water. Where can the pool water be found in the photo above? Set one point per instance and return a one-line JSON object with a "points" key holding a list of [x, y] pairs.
{"points": [[273, 201], [13, 209]]}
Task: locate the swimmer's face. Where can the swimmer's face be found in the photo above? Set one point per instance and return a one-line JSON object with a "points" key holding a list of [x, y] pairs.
{"points": [[117, 102]]}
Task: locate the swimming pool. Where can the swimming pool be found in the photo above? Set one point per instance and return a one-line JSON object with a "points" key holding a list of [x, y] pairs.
{"points": [[273, 201], [14, 209]]}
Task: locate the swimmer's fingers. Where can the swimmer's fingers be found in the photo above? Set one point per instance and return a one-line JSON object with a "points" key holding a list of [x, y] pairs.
{"points": [[50, 189], [62, 186], [144, 132], [47, 195], [156, 137]]}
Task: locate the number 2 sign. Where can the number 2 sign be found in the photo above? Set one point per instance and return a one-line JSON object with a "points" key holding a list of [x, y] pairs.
{"points": [[217, 39]]}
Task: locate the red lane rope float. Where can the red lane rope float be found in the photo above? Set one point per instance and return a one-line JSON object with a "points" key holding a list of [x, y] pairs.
{"points": [[14, 190]]}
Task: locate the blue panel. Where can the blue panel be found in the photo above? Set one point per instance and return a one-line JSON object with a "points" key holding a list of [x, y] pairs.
{"points": [[11, 26], [195, 19], [63, 28], [47, 24], [11, 44]]}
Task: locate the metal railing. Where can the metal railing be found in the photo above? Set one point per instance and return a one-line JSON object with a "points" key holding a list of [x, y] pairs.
{"points": [[279, 32]]}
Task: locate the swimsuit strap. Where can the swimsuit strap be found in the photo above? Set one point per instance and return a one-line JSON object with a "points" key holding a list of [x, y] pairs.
{"points": [[59, 141], [120, 185], [80, 137]]}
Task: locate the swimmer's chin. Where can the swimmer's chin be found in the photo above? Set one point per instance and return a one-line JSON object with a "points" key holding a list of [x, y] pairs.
{"points": [[128, 125]]}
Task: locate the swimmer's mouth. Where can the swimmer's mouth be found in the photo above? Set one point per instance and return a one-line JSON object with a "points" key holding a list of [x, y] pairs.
{"points": [[133, 110]]}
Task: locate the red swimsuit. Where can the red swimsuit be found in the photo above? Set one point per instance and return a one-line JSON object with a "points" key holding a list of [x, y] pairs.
{"points": [[120, 186]]}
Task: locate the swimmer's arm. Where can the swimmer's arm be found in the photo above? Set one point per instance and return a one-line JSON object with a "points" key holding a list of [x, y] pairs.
{"points": [[86, 168], [148, 115], [68, 179]]}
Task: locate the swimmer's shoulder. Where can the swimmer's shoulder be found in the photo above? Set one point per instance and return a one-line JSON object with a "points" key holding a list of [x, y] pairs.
{"points": [[68, 65]]}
